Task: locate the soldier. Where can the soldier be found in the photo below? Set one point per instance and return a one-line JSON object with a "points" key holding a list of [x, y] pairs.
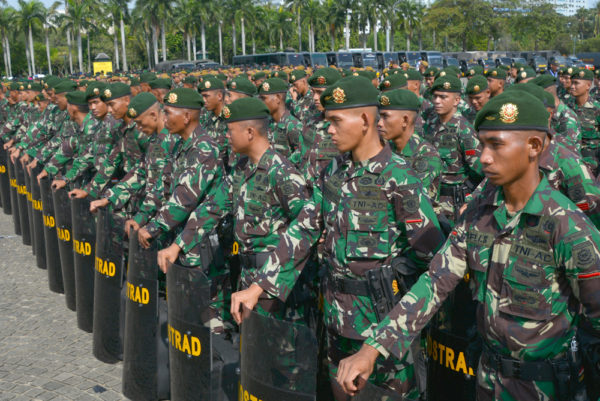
{"points": [[398, 111], [303, 103], [565, 85], [479, 94], [532, 257], [134, 83], [145, 79], [496, 78], [453, 137], [213, 93], [595, 92], [238, 88], [159, 87], [145, 111], [259, 78], [285, 131], [375, 214], [525, 75], [190, 82], [393, 81], [474, 71], [588, 111]]}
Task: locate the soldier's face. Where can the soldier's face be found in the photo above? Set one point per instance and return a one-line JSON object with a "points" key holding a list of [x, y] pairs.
{"points": [[567, 81], [160, 94], [230, 96], [176, 119], [445, 103], [145, 87], [98, 108], [580, 87], [506, 155], [348, 126], [135, 90], [393, 124], [317, 92], [72, 110], [61, 101], [301, 86], [212, 99], [429, 81], [495, 85], [148, 121], [271, 101], [413, 86], [239, 136], [118, 107], [479, 100]]}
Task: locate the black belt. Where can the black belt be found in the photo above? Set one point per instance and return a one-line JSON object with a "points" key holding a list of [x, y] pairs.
{"points": [[254, 260], [348, 286], [524, 370]]}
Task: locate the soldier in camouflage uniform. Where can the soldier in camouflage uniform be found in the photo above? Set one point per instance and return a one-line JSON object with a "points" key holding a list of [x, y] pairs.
{"points": [[380, 231], [303, 105], [496, 78], [213, 93], [160, 87], [455, 140], [398, 111], [595, 91], [145, 111], [564, 89], [588, 111], [478, 93], [285, 131], [533, 259], [238, 88]]}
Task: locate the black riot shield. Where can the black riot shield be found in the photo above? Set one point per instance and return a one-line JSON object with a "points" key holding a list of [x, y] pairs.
{"points": [[13, 196], [371, 392], [50, 237], [84, 244], [4, 182], [145, 349], [29, 208], [108, 282], [62, 211], [22, 202], [38, 221], [281, 365], [202, 366]]}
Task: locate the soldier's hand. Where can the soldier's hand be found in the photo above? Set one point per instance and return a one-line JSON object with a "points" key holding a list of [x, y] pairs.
{"points": [[58, 184], [167, 256], [144, 237], [246, 298], [78, 193], [32, 165], [95, 205], [356, 368], [131, 224], [25, 159], [14, 155], [293, 93], [462, 209], [41, 175], [9, 144]]}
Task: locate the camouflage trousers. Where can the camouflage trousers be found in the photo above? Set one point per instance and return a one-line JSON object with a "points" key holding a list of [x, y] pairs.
{"points": [[391, 373]]}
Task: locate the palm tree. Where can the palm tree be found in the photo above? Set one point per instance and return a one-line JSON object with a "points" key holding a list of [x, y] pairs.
{"points": [[295, 6], [118, 12], [143, 25], [216, 12], [74, 20], [30, 13], [184, 17], [7, 21], [149, 11], [50, 22], [313, 15], [335, 12], [411, 15]]}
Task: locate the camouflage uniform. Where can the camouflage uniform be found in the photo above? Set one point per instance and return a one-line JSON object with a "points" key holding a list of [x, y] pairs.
{"points": [[285, 134], [373, 213], [527, 269], [460, 150], [304, 106], [216, 128], [62, 159], [588, 115], [567, 127]]}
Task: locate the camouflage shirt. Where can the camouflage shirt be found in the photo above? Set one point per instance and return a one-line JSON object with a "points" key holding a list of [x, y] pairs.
{"points": [[567, 127], [303, 106], [526, 270], [285, 134], [74, 139], [55, 135]]}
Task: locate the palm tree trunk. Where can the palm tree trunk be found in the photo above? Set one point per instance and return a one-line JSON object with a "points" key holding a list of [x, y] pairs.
{"points": [[123, 45], [194, 46], [70, 51], [164, 41], [203, 39], [8, 55], [115, 45], [79, 51], [253, 43], [299, 32], [32, 50], [280, 39], [189, 46], [434, 38], [243, 36], [332, 38], [387, 36], [220, 42], [234, 36], [148, 51], [4, 54], [89, 66], [48, 53], [27, 56], [155, 44], [347, 30]]}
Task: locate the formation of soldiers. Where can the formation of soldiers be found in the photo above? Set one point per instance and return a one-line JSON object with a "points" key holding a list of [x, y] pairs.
{"points": [[436, 237]]}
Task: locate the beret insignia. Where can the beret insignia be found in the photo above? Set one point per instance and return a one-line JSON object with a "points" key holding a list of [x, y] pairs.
{"points": [[132, 113], [476, 88], [233, 85], [472, 72], [21, 87], [581, 74], [107, 93], [226, 112], [387, 84], [339, 96], [266, 86], [508, 113], [405, 75], [521, 69], [96, 91], [46, 86], [172, 98], [207, 85], [570, 70], [385, 101], [447, 85], [29, 86], [443, 74], [494, 73], [321, 80], [293, 77], [355, 74]]}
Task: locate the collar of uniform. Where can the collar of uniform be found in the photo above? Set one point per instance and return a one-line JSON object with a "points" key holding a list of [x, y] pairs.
{"points": [[411, 146], [375, 164], [265, 159], [283, 120]]}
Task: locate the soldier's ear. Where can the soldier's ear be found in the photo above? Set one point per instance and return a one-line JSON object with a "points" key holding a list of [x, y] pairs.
{"points": [[536, 144]]}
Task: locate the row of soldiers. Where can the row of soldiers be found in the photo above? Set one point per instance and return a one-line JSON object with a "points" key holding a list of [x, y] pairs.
{"points": [[346, 198]]}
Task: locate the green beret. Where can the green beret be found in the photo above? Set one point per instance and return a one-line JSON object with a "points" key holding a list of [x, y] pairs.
{"points": [[14, 86], [395, 81], [82, 84], [296, 75], [190, 80], [431, 72], [392, 71], [211, 84], [532, 89], [443, 73], [518, 66], [399, 99], [77, 98], [51, 81], [247, 108], [140, 103], [221, 76], [65, 85], [34, 86], [40, 97], [370, 75], [476, 85], [549, 100], [94, 90], [448, 83], [243, 85], [525, 73], [413, 75], [496, 73], [346, 72], [185, 98], [544, 80], [147, 77], [475, 70], [350, 92], [160, 83], [324, 77], [259, 75], [280, 74], [597, 72], [584, 74], [134, 81], [115, 91], [504, 67], [272, 85], [513, 110]]}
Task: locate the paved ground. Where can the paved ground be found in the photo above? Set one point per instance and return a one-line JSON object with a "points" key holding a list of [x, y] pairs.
{"points": [[43, 355]]}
